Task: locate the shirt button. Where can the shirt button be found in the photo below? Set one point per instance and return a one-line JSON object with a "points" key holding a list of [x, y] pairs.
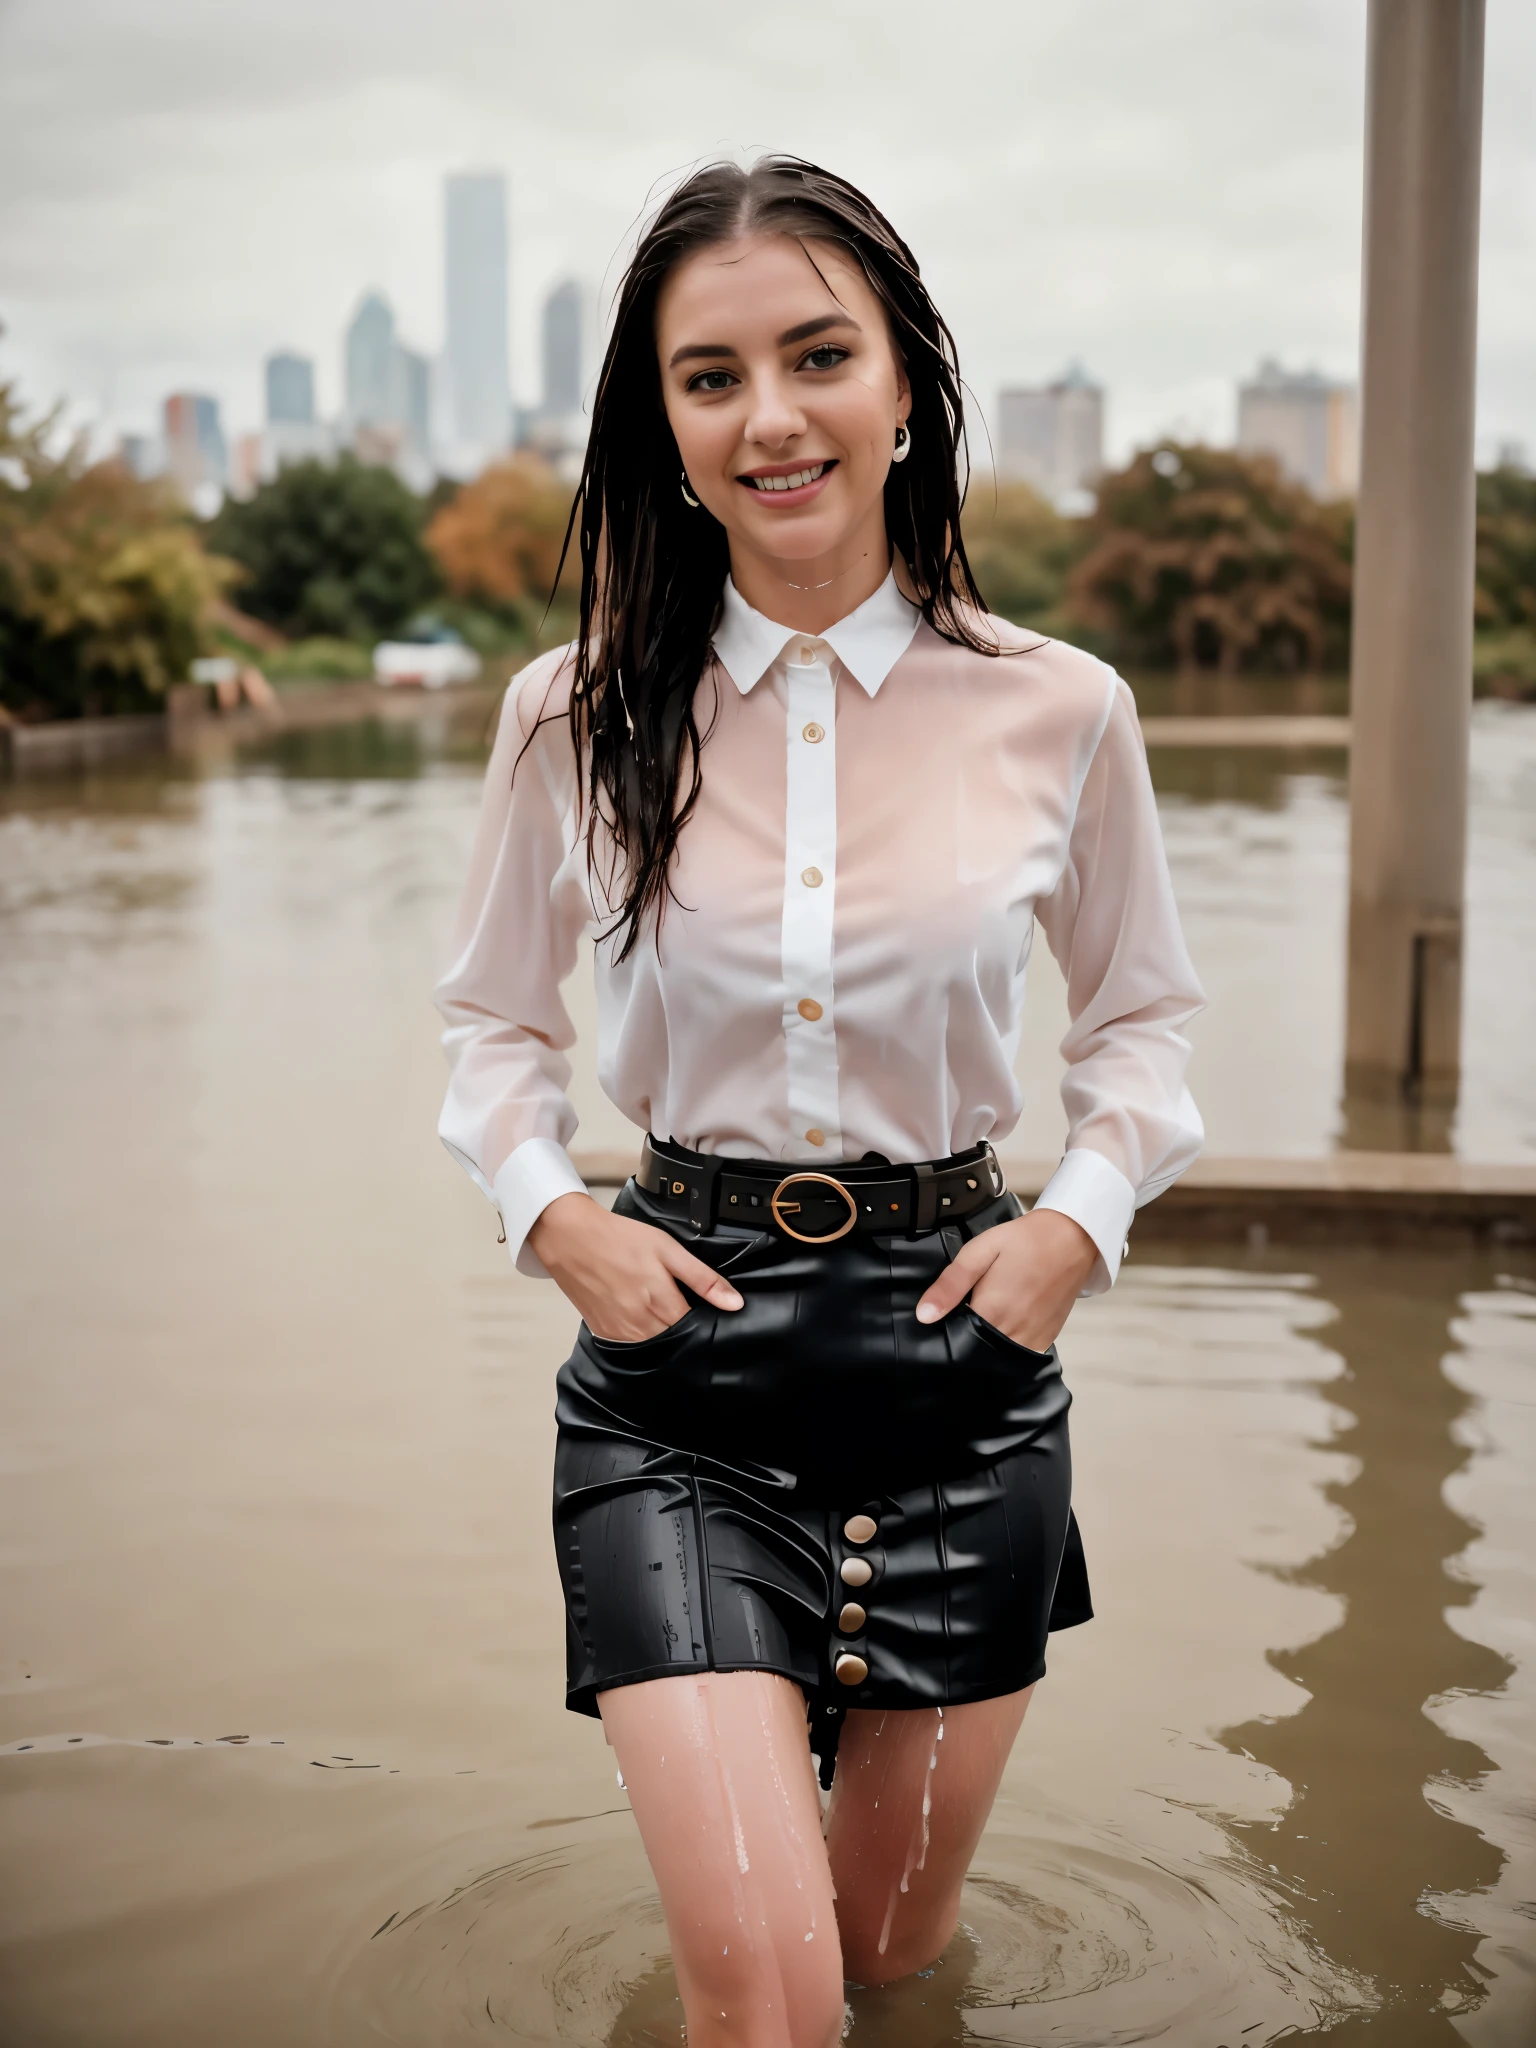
{"points": [[816, 1137], [811, 877], [813, 732], [810, 1010], [859, 1528], [807, 651]]}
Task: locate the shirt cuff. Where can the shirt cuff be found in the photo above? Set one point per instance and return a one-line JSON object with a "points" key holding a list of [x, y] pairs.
{"points": [[535, 1174], [1097, 1196]]}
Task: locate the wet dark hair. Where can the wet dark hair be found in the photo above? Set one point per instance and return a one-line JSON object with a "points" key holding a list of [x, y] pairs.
{"points": [[653, 568]]}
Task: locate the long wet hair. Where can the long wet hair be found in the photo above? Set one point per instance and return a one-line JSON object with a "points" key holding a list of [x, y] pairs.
{"points": [[653, 568]]}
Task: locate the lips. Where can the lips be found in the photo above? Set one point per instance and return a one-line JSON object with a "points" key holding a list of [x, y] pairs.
{"points": [[789, 480]]}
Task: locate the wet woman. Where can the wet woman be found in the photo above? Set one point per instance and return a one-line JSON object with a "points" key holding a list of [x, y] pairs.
{"points": [[812, 1487]]}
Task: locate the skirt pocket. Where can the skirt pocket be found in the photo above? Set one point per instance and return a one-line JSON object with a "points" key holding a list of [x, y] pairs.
{"points": [[1009, 1346]]}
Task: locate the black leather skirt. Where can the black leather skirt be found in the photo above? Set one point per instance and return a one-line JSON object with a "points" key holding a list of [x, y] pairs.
{"points": [[816, 1484]]}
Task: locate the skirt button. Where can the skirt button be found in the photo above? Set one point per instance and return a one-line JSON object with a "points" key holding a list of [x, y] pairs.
{"points": [[852, 1617], [851, 1670], [859, 1528], [856, 1571]]}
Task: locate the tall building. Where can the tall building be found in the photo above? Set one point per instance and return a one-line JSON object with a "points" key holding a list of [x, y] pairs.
{"points": [[411, 398], [1052, 435], [290, 390], [195, 454], [475, 282], [370, 367], [560, 347], [1309, 424]]}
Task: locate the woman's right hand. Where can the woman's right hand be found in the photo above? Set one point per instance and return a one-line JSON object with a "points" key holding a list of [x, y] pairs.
{"points": [[621, 1274]]}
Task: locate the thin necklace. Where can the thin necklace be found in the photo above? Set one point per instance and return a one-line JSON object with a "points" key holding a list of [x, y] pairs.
{"points": [[832, 579]]}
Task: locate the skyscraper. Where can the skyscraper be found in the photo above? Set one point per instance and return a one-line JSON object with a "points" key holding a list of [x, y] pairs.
{"points": [[412, 398], [195, 454], [560, 339], [1052, 435], [290, 389], [1310, 425], [371, 375], [476, 308]]}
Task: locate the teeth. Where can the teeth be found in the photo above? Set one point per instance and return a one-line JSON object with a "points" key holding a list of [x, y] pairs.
{"points": [[792, 482]]}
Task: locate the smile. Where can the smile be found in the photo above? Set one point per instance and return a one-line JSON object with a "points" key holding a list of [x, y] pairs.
{"points": [[793, 480]]}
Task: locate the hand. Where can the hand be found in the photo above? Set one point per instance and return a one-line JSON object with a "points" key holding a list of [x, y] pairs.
{"points": [[621, 1274], [1022, 1277]]}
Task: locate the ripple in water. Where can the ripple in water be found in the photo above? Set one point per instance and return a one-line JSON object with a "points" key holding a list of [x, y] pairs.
{"points": [[1062, 1942]]}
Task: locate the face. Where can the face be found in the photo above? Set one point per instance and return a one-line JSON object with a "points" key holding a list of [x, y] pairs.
{"points": [[784, 391]]}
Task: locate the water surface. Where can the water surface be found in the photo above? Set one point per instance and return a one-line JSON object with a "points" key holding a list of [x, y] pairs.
{"points": [[282, 1754]]}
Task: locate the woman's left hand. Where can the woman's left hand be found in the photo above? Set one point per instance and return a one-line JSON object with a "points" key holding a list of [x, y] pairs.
{"points": [[1022, 1277]]}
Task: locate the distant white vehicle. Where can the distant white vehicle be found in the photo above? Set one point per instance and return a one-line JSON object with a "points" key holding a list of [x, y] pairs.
{"points": [[431, 660]]}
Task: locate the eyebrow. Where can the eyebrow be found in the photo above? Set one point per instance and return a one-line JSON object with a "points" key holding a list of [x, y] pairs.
{"points": [[693, 350]]}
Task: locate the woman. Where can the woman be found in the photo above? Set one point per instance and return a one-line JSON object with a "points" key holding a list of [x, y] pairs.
{"points": [[810, 799]]}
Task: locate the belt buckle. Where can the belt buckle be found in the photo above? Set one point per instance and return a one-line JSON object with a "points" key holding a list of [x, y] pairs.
{"points": [[824, 1180]]}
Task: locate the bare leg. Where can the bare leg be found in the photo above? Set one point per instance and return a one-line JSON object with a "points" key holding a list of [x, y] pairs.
{"points": [[719, 1774], [908, 1807]]}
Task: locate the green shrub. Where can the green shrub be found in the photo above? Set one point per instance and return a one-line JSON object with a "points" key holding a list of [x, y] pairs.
{"points": [[320, 660], [330, 551]]}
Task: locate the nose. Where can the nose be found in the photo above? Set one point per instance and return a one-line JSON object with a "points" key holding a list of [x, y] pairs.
{"points": [[774, 419]]}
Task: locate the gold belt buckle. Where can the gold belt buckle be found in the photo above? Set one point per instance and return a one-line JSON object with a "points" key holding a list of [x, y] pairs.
{"points": [[777, 1205]]}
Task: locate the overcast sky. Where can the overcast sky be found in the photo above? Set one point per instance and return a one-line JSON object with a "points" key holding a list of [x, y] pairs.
{"points": [[1165, 189]]}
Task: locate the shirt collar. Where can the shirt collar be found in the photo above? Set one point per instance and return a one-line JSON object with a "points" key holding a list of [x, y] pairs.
{"points": [[869, 642]]}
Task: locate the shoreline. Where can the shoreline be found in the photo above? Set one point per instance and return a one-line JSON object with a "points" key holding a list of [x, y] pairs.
{"points": [[187, 725]]}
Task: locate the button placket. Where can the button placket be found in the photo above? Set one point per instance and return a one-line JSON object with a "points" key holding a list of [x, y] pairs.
{"points": [[849, 1666], [810, 891]]}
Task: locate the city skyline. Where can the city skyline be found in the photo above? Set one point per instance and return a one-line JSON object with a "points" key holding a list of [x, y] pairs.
{"points": [[1168, 195]]}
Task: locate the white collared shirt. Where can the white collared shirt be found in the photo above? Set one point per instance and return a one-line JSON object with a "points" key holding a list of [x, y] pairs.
{"points": [[884, 818]]}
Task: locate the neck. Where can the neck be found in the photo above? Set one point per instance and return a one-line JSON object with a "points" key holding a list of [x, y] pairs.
{"points": [[815, 591]]}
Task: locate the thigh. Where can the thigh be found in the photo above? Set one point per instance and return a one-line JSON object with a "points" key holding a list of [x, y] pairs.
{"points": [[718, 1771], [909, 1801]]}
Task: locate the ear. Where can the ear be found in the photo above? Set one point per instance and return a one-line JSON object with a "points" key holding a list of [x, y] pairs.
{"points": [[903, 393]]}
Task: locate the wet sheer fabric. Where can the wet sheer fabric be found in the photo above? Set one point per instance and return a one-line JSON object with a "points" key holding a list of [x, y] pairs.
{"points": [[885, 819]]}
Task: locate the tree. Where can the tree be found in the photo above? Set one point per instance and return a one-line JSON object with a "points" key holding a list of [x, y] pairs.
{"points": [[1506, 549], [1020, 549], [498, 542], [329, 550], [1208, 558], [105, 591]]}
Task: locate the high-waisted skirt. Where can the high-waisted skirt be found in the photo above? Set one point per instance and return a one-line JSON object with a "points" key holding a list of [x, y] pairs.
{"points": [[816, 1484]]}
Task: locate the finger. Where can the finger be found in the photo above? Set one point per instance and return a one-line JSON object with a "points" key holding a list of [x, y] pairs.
{"points": [[956, 1281], [703, 1280]]}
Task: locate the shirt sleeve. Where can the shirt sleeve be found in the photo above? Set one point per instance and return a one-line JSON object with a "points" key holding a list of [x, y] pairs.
{"points": [[507, 1118], [1113, 926]]}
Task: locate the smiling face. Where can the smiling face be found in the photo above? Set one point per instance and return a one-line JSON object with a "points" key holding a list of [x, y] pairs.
{"points": [[784, 392]]}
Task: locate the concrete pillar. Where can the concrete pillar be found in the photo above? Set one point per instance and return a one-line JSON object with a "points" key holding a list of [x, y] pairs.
{"points": [[1411, 688]]}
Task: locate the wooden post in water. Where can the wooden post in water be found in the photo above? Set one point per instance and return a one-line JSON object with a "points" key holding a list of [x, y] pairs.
{"points": [[1411, 687]]}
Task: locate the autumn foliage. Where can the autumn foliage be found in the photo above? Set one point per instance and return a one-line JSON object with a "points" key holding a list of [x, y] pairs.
{"points": [[497, 542], [105, 591], [1204, 557]]}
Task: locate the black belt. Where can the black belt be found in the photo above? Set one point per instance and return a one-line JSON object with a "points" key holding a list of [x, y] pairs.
{"points": [[817, 1207]]}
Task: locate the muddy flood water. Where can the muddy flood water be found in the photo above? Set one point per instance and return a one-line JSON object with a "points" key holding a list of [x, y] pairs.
{"points": [[283, 1756]]}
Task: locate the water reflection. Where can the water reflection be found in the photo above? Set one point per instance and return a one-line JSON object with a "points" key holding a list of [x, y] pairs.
{"points": [[1375, 1858]]}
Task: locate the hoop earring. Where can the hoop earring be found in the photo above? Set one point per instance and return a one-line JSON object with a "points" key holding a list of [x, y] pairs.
{"points": [[688, 497], [903, 446]]}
